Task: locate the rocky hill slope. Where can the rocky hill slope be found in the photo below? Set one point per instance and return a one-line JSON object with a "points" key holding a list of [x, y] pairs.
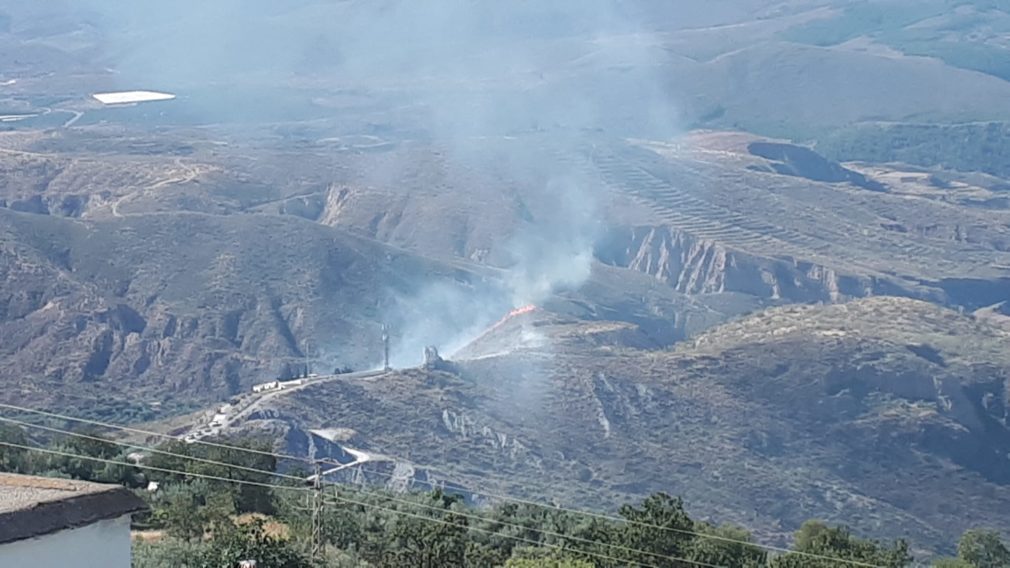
{"points": [[186, 307], [639, 171], [887, 414]]}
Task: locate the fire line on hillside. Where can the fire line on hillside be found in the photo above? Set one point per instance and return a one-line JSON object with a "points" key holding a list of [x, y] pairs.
{"points": [[512, 314]]}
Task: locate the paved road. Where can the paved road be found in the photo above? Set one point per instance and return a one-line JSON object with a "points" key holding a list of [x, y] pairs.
{"points": [[251, 402]]}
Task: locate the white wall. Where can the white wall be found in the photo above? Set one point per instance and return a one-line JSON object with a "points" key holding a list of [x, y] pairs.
{"points": [[105, 544]]}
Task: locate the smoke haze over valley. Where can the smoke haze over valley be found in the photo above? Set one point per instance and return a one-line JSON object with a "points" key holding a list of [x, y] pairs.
{"points": [[466, 71], [751, 252]]}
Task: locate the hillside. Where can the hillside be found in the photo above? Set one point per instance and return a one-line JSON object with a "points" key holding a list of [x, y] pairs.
{"points": [[696, 232], [755, 253], [185, 307], [889, 415]]}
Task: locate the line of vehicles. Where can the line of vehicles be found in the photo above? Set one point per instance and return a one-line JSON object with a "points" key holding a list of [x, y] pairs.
{"points": [[281, 385], [220, 419]]}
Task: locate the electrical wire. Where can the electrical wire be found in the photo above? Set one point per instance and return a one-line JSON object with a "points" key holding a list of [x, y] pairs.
{"points": [[601, 516], [148, 433], [152, 450], [522, 527], [343, 500], [153, 468], [613, 518], [366, 492], [305, 489]]}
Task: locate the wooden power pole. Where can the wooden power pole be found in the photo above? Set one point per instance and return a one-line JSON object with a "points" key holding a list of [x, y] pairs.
{"points": [[317, 512]]}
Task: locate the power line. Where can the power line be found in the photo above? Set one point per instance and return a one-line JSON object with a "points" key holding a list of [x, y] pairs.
{"points": [[602, 516], [153, 468], [614, 518], [522, 527], [152, 450], [492, 533], [350, 501], [148, 433], [317, 487]]}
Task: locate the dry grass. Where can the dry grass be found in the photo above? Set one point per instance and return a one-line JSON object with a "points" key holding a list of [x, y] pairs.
{"points": [[762, 428], [272, 527], [147, 536]]}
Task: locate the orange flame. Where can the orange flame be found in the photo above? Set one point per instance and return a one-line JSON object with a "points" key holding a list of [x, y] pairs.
{"points": [[521, 311], [508, 316]]}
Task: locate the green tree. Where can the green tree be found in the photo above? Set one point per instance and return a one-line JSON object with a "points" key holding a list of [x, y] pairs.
{"points": [[519, 524], [232, 543], [727, 549], [14, 460], [548, 562], [605, 536], [659, 528], [486, 552], [951, 563], [983, 549], [254, 497], [185, 510], [544, 557], [439, 540], [167, 553], [94, 445], [816, 538], [90, 457], [343, 525]]}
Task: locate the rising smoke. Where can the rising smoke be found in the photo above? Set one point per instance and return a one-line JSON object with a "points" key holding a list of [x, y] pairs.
{"points": [[562, 71], [500, 68], [556, 251], [566, 71]]}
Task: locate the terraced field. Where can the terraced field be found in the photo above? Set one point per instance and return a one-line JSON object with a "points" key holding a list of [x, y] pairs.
{"points": [[726, 198]]}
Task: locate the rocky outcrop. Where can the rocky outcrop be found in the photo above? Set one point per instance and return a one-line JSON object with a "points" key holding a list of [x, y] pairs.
{"points": [[346, 467], [431, 221], [463, 426], [698, 266], [400, 476]]}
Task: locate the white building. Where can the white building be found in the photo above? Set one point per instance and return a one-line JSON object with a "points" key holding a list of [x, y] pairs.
{"points": [[55, 523], [132, 97], [262, 387]]}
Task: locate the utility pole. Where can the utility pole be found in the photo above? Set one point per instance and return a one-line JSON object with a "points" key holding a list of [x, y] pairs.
{"points": [[385, 348], [317, 512], [308, 347]]}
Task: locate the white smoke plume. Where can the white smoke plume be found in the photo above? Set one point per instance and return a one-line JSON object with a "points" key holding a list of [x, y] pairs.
{"points": [[466, 70], [556, 252]]}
